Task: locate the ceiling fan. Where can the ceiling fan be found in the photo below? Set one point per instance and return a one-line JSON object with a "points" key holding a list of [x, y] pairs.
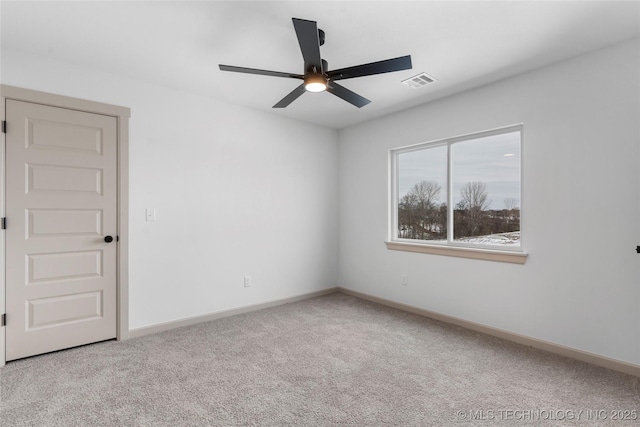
{"points": [[317, 77]]}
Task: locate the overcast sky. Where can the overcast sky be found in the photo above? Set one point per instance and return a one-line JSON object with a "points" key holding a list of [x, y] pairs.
{"points": [[480, 159]]}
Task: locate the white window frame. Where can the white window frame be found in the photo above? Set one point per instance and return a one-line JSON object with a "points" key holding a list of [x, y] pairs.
{"points": [[451, 247]]}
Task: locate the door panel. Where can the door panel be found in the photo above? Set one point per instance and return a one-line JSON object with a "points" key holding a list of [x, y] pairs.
{"points": [[60, 204], [48, 222], [56, 311], [47, 178], [48, 134], [63, 266]]}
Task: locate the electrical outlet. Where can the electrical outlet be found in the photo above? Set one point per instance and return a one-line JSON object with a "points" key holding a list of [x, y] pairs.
{"points": [[247, 281], [404, 280]]}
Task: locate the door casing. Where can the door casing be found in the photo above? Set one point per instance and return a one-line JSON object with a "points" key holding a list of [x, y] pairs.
{"points": [[121, 114]]}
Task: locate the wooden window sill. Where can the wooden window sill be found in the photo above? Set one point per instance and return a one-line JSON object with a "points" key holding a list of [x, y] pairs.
{"points": [[462, 252]]}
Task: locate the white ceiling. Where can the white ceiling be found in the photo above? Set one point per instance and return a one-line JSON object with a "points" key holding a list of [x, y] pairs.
{"points": [[180, 44]]}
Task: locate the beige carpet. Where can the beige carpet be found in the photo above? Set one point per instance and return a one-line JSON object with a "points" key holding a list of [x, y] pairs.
{"points": [[332, 360]]}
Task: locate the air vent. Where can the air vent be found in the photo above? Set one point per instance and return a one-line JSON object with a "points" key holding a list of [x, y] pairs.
{"points": [[420, 80]]}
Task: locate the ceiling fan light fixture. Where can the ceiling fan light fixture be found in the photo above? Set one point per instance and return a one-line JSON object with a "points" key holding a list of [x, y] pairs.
{"points": [[315, 83]]}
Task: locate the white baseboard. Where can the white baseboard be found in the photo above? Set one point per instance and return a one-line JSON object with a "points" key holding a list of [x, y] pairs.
{"points": [[173, 324], [595, 359], [584, 356]]}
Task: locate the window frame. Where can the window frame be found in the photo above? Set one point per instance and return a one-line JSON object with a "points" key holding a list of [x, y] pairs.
{"points": [[452, 247]]}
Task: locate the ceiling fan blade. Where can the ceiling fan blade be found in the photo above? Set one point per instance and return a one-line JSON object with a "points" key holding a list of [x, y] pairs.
{"points": [[379, 67], [293, 95], [307, 32], [347, 95], [257, 71]]}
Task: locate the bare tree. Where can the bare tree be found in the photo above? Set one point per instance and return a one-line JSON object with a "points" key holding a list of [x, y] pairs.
{"points": [[513, 214], [407, 216], [474, 202], [417, 209], [510, 203], [426, 193]]}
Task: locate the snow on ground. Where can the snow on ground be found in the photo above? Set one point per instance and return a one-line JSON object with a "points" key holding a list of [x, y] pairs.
{"points": [[500, 239]]}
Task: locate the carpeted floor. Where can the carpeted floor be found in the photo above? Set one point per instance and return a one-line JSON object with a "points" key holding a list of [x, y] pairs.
{"points": [[332, 360]]}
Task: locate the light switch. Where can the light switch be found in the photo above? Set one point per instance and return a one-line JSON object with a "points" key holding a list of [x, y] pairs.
{"points": [[151, 214]]}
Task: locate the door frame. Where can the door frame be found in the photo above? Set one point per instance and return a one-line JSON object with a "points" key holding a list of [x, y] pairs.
{"points": [[121, 114]]}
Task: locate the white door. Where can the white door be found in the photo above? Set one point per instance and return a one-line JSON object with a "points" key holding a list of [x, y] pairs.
{"points": [[61, 180]]}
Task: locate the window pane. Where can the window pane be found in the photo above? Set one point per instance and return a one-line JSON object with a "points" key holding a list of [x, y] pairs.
{"points": [[422, 194], [486, 190]]}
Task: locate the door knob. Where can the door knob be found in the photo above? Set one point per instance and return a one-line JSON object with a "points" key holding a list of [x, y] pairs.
{"points": [[108, 239]]}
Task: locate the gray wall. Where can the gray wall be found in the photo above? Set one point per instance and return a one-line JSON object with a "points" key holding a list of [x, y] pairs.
{"points": [[237, 192], [302, 208], [580, 284]]}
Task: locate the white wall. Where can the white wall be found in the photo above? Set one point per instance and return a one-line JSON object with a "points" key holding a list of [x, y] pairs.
{"points": [[237, 193], [240, 192], [580, 284]]}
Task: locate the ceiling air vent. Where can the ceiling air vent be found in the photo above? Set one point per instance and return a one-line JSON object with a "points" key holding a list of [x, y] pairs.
{"points": [[420, 80]]}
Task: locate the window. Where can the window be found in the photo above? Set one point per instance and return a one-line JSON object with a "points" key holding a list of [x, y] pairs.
{"points": [[462, 192]]}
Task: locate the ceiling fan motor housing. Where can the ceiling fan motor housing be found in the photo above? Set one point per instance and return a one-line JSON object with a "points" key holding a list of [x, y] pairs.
{"points": [[313, 69]]}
